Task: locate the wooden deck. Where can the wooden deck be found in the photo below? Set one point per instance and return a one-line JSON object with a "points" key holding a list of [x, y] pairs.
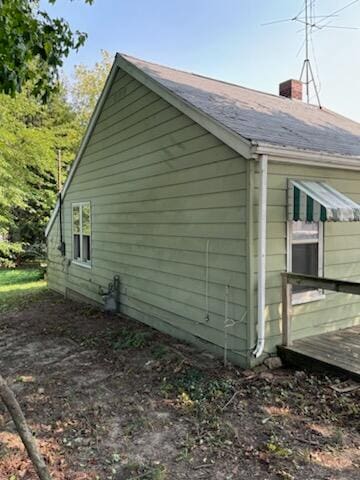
{"points": [[338, 351]]}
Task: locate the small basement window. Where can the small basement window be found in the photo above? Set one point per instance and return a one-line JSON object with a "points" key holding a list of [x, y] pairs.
{"points": [[305, 256], [81, 230]]}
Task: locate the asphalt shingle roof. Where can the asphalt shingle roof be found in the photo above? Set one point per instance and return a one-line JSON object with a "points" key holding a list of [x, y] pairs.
{"points": [[258, 116]]}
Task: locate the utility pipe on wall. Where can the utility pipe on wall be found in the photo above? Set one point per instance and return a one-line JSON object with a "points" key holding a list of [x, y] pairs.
{"points": [[262, 212]]}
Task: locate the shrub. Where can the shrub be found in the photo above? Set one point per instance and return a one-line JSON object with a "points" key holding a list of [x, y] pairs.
{"points": [[33, 254], [10, 253]]}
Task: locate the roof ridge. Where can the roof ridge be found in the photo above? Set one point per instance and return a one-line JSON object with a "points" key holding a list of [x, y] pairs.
{"points": [[340, 115], [225, 82]]}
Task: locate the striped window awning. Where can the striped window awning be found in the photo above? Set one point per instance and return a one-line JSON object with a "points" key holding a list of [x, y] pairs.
{"points": [[313, 201]]}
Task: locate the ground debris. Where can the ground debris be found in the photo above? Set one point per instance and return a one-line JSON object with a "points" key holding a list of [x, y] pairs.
{"points": [[111, 399]]}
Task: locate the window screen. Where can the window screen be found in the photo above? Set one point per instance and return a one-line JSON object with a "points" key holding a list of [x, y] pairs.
{"points": [[305, 250], [305, 260]]}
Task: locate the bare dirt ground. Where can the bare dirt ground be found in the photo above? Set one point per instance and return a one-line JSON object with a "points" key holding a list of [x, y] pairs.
{"points": [[109, 398]]}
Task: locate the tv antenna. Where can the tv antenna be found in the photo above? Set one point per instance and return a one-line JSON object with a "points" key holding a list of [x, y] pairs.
{"points": [[306, 67], [312, 22]]}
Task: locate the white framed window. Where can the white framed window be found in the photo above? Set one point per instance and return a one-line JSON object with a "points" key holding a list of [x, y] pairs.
{"points": [[305, 255], [81, 233]]}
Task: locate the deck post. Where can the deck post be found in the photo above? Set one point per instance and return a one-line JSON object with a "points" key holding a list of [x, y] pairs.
{"points": [[286, 310]]}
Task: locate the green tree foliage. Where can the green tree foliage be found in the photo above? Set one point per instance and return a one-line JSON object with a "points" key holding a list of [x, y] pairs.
{"points": [[33, 46], [31, 134], [88, 84]]}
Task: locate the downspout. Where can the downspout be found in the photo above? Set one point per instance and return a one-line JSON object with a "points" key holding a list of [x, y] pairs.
{"points": [[61, 246], [262, 211], [60, 219]]}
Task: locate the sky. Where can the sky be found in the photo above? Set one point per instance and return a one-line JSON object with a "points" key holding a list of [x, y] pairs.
{"points": [[225, 39]]}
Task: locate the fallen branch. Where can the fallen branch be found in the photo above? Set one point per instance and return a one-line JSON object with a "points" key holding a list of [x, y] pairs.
{"points": [[345, 387], [230, 401], [244, 380], [26, 436], [305, 440]]}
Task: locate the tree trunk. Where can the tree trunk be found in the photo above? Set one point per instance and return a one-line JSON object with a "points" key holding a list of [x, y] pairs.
{"points": [[26, 436]]}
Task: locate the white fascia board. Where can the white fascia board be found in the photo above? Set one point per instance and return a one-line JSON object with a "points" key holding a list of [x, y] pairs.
{"points": [[306, 157], [238, 143], [52, 218], [85, 141]]}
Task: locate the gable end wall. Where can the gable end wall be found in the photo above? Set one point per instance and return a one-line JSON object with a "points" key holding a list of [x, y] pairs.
{"points": [[162, 190]]}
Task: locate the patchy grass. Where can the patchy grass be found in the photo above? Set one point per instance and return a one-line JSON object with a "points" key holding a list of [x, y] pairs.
{"points": [[144, 472], [18, 286], [128, 339], [275, 447]]}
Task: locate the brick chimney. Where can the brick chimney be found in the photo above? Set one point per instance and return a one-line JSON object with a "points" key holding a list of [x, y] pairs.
{"points": [[291, 89]]}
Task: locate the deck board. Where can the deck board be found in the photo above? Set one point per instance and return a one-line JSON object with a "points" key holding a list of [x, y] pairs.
{"points": [[339, 351]]}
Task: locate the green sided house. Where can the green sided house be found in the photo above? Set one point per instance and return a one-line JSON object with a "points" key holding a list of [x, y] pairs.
{"points": [[196, 195]]}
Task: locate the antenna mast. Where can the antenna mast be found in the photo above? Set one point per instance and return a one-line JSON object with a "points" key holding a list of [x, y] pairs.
{"points": [[306, 67], [311, 21]]}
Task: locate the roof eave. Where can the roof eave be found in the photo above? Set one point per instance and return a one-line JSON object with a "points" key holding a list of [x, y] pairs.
{"points": [[284, 154]]}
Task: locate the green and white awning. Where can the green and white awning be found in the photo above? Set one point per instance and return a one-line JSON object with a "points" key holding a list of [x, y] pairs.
{"points": [[313, 201]]}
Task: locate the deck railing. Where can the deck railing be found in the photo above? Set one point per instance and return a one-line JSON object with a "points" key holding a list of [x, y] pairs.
{"points": [[321, 283]]}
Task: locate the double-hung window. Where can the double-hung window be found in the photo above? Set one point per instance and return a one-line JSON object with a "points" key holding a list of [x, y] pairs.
{"points": [[305, 256], [81, 230]]}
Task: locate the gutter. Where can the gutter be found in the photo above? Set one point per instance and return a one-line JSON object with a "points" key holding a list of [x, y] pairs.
{"points": [[262, 215], [298, 156]]}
